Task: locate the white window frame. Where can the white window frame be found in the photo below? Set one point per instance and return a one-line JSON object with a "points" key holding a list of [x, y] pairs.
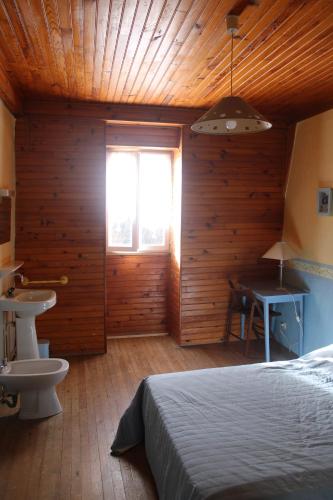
{"points": [[136, 248]]}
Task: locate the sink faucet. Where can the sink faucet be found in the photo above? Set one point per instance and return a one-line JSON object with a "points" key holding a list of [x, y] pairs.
{"points": [[11, 290]]}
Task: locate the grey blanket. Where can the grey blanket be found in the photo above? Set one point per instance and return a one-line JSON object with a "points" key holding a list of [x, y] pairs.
{"points": [[244, 432]]}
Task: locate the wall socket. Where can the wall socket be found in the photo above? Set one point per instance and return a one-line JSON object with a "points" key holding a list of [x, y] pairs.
{"points": [[283, 327]]}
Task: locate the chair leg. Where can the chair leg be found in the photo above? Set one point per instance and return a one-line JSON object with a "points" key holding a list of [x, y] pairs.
{"points": [[249, 330], [228, 325]]}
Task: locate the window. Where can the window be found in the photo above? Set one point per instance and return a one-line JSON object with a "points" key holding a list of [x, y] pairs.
{"points": [[138, 194]]}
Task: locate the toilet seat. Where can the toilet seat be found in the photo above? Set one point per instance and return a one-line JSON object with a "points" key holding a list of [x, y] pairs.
{"points": [[35, 380]]}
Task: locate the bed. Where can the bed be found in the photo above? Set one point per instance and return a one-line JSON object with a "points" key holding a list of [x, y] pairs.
{"points": [[245, 432]]}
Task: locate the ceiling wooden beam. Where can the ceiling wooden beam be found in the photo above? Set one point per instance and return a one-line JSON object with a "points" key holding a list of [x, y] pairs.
{"points": [[124, 113], [163, 115]]}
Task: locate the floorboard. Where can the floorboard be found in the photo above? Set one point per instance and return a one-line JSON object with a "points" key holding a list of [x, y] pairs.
{"points": [[67, 456]]}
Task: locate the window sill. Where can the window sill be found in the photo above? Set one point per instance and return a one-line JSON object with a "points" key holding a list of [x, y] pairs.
{"points": [[142, 252]]}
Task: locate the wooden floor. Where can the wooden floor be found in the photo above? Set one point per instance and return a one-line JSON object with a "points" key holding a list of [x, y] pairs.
{"points": [[67, 456]]}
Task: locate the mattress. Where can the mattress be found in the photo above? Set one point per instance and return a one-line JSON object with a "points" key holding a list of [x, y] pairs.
{"points": [[245, 432]]}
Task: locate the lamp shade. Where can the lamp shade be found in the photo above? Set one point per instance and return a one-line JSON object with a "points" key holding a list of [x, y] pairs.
{"points": [[231, 115], [280, 251]]}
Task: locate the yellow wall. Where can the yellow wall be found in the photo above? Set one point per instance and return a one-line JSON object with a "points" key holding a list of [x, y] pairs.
{"points": [[311, 168], [7, 173]]}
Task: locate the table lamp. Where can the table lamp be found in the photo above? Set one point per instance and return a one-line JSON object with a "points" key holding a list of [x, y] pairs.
{"points": [[280, 251]]}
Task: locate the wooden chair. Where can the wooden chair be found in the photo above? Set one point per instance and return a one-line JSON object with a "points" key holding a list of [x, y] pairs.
{"points": [[240, 303], [243, 302], [256, 321]]}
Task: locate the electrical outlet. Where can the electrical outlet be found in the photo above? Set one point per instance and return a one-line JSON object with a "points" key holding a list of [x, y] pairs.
{"points": [[283, 326]]}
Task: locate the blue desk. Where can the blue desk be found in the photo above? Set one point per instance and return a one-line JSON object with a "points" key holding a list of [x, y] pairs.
{"points": [[270, 294]]}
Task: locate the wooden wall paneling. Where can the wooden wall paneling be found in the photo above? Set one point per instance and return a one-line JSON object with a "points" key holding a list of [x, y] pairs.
{"points": [[138, 286], [60, 224], [174, 288], [142, 136], [174, 54], [174, 298], [232, 204], [232, 213], [136, 294], [114, 112]]}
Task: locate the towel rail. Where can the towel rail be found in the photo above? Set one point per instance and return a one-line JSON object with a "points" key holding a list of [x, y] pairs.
{"points": [[63, 280]]}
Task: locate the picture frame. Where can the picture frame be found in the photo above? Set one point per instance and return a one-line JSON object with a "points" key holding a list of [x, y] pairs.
{"points": [[324, 201]]}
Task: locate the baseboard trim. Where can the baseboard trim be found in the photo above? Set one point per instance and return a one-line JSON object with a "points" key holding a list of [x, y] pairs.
{"points": [[64, 354], [194, 343], [136, 335]]}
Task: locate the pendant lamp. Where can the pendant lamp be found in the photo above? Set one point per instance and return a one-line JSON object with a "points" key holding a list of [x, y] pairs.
{"points": [[231, 115]]}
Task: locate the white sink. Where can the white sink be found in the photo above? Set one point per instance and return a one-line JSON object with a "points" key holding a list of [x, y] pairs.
{"points": [[27, 304]]}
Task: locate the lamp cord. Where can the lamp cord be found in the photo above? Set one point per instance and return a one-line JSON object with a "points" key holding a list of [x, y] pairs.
{"points": [[231, 61], [299, 320]]}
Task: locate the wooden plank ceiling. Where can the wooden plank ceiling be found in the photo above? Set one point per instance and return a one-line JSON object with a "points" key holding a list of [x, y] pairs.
{"points": [[168, 52]]}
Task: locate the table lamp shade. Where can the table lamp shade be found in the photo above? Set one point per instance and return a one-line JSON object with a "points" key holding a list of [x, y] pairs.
{"points": [[280, 251]]}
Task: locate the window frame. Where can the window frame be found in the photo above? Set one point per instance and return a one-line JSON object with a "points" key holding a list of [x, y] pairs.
{"points": [[135, 249]]}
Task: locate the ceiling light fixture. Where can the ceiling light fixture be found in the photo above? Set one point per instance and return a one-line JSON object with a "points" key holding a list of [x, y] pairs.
{"points": [[231, 115]]}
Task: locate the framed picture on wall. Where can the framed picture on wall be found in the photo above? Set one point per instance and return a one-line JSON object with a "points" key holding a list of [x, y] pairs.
{"points": [[324, 201]]}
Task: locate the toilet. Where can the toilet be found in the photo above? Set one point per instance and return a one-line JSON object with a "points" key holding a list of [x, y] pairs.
{"points": [[35, 380]]}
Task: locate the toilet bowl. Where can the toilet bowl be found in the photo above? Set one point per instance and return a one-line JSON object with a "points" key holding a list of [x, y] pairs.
{"points": [[35, 380]]}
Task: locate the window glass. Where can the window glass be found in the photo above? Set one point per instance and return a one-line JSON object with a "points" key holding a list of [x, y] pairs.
{"points": [[121, 198], [138, 200], [154, 198]]}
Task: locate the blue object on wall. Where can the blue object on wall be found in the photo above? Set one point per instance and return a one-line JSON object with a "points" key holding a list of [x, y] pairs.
{"points": [[318, 312]]}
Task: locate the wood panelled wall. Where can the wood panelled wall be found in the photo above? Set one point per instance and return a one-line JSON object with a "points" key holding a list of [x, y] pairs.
{"points": [[136, 294], [143, 136], [60, 224], [232, 211], [174, 314], [137, 285]]}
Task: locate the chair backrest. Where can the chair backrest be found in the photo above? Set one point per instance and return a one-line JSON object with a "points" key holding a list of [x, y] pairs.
{"points": [[241, 298], [231, 284], [236, 299]]}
